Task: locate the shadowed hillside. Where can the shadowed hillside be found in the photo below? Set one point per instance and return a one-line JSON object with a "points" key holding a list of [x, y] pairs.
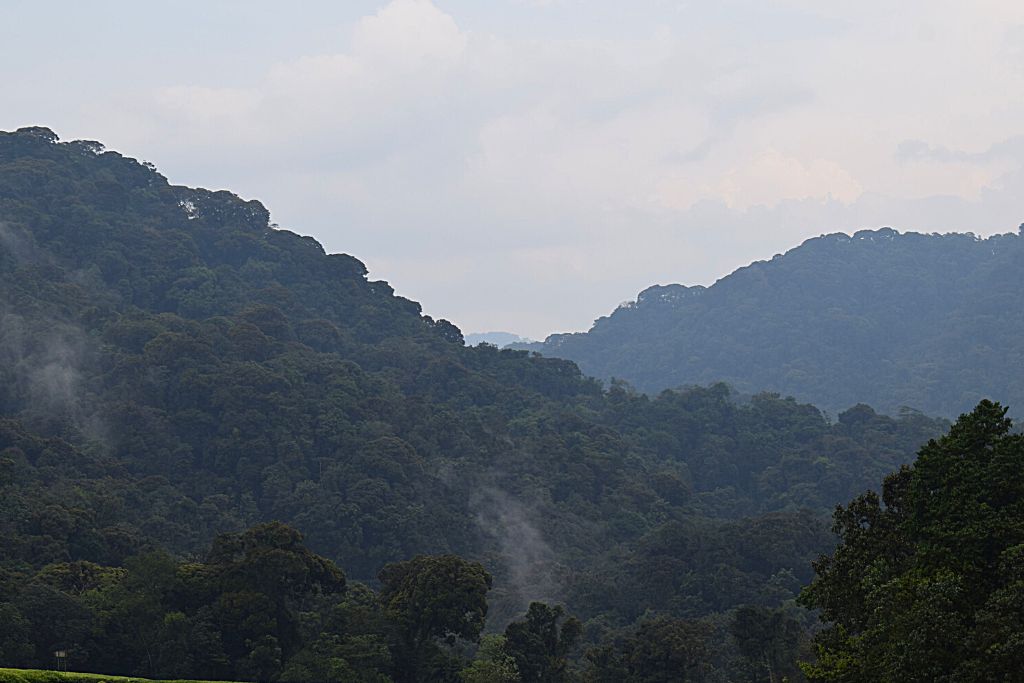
{"points": [[177, 370], [933, 322]]}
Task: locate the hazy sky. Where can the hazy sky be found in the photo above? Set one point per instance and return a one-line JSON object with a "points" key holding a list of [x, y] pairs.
{"points": [[528, 165]]}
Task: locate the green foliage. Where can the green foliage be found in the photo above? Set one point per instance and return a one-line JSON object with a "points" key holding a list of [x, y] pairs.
{"points": [[769, 640], [441, 597], [177, 370], [927, 587], [431, 600], [236, 615], [541, 643], [658, 650], [889, 319], [492, 663], [44, 676]]}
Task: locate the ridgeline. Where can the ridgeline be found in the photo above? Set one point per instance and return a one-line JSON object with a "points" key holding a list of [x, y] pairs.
{"points": [[227, 454], [930, 322]]}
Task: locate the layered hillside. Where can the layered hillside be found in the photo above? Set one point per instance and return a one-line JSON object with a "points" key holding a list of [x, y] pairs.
{"points": [[175, 367], [932, 322]]}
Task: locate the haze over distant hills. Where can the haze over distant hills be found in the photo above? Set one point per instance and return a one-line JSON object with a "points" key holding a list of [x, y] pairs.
{"points": [[499, 339], [933, 322]]}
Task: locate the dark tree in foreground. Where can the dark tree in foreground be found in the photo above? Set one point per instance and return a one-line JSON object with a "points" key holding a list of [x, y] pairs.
{"points": [[262, 575], [432, 599], [541, 643], [659, 650], [769, 640], [928, 583]]}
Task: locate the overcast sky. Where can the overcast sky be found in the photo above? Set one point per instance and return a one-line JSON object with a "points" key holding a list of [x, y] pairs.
{"points": [[527, 165]]}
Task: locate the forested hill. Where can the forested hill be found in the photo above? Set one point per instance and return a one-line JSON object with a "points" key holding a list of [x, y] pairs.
{"points": [[933, 322], [176, 370]]}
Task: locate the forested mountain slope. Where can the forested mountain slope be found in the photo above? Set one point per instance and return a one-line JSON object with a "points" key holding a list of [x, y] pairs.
{"points": [[175, 368], [934, 322]]}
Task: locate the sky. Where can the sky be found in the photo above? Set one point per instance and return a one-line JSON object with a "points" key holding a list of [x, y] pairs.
{"points": [[527, 165]]}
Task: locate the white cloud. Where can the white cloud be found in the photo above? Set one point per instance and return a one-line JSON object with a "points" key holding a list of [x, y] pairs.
{"points": [[409, 36], [764, 179], [398, 58]]}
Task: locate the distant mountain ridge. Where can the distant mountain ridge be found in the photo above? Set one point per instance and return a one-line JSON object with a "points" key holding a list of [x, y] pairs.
{"points": [[932, 322], [499, 339]]}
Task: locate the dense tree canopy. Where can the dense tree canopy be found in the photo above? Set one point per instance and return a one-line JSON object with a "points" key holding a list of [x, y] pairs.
{"points": [[431, 599], [926, 584], [889, 319], [540, 644], [186, 388]]}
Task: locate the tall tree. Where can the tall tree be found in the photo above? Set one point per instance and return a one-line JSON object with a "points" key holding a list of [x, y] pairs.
{"points": [[432, 599], [769, 640], [541, 643], [261, 577], [659, 650], [926, 584]]}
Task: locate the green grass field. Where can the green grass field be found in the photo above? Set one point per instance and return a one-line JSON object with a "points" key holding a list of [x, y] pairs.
{"points": [[42, 676]]}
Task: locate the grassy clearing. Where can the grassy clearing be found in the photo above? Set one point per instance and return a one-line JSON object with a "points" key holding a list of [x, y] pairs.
{"points": [[43, 676]]}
